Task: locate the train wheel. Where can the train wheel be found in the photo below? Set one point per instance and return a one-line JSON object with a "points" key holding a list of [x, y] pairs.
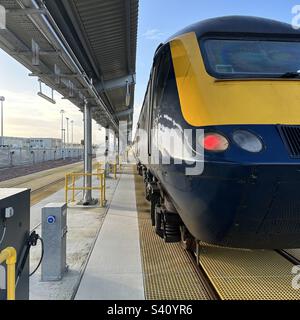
{"points": [[159, 221], [152, 211], [167, 225], [187, 240], [147, 192], [171, 228], [153, 195], [140, 171]]}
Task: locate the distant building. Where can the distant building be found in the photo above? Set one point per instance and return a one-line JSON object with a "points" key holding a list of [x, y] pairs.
{"points": [[15, 142], [34, 143], [47, 143], [37, 143]]}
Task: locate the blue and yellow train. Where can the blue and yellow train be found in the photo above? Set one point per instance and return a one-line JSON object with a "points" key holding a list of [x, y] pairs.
{"points": [[238, 79]]}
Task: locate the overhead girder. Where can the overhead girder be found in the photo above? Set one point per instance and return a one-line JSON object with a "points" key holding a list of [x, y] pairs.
{"points": [[49, 33], [115, 83], [125, 113]]}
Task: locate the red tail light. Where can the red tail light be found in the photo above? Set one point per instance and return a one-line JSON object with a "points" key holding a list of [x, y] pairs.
{"points": [[215, 142]]}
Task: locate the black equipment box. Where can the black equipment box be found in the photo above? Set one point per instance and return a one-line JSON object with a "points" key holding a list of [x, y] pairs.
{"points": [[14, 230]]}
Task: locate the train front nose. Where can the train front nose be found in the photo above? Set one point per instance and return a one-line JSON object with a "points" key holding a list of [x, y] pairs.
{"points": [[249, 199], [247, 207], [268, 213]]}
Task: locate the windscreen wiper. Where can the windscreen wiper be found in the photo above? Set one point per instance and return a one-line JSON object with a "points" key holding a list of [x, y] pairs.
{"points": [[290, 75]]}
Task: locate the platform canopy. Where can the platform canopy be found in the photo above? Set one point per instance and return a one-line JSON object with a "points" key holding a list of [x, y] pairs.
{"points": [[84, 49]]}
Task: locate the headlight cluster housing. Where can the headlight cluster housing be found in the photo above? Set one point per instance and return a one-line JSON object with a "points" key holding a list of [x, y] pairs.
{"points": [[244, 139], [247, 141]]}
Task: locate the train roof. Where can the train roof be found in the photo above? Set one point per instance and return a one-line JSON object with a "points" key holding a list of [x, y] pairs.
{"points": [[240, 25]]}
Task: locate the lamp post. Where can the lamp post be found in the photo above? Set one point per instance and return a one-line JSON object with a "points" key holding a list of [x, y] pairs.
{"points": [[68, 140], [64, 133], [68, 132], [72, 133], [62, 112], [2, 99], [64, 146]]}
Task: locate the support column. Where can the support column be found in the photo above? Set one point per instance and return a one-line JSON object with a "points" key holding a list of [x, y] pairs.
{"points": [[88, 153], [115, 146], [118, 150], [123, 139], [106, 151]]}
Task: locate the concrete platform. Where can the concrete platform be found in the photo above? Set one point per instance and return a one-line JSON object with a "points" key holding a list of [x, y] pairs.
{"points": [[114, 270], [103, 249]]}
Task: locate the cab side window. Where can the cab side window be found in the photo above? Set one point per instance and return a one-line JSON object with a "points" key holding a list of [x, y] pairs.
{"points": [[160, 81], [159, 77]]}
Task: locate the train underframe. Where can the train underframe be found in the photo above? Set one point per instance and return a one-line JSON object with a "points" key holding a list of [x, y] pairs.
{"points": [[164, 217]]}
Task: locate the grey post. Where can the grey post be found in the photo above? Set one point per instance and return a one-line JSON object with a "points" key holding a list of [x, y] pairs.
{"points": [[118, 150], [2, 99], [115, 144], [62, 112], [68, 132], [88, 152], [106, 151], [72, 133], [54, 233]]}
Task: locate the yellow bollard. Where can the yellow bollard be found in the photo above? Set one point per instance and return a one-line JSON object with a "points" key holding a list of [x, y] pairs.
{"points": [[10, 256]]}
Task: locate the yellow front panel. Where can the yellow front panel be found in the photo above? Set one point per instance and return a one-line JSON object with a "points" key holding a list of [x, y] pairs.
{"points": [[205, 101]]}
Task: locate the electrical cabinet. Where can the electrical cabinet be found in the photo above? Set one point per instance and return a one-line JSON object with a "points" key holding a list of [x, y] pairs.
{"points": [[14, 232], [54, 233]]}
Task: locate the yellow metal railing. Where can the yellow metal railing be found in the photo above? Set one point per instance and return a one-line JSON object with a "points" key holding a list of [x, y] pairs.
{"points": [[70, 185], [9, 255], [114, 168]]}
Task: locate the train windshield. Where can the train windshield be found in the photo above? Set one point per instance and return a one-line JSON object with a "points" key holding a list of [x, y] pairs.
{"points": [[252, 58]]}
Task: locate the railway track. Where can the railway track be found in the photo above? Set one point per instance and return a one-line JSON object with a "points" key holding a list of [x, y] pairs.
{"points": [[210, 290], [237, 274], [289, 257], [262, 293]]}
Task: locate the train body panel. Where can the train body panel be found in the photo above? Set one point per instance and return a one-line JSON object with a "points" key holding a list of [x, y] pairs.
{"points": [[241, 198]]}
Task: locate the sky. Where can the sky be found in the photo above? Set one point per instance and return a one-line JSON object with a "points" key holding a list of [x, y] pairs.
{"points": [[27, 115]]}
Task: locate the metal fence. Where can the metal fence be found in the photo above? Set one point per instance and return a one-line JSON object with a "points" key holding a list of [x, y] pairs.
{"points": [[10, 157]]}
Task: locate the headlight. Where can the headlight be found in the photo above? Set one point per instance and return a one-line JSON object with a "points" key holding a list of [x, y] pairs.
{"points": [[215, 142], [247, 141]]}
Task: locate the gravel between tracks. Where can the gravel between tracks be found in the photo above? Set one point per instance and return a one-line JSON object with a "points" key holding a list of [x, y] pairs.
{"points": [[15, 172]]}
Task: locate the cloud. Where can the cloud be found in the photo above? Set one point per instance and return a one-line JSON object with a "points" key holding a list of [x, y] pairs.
{"points": [[153, 34]]}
